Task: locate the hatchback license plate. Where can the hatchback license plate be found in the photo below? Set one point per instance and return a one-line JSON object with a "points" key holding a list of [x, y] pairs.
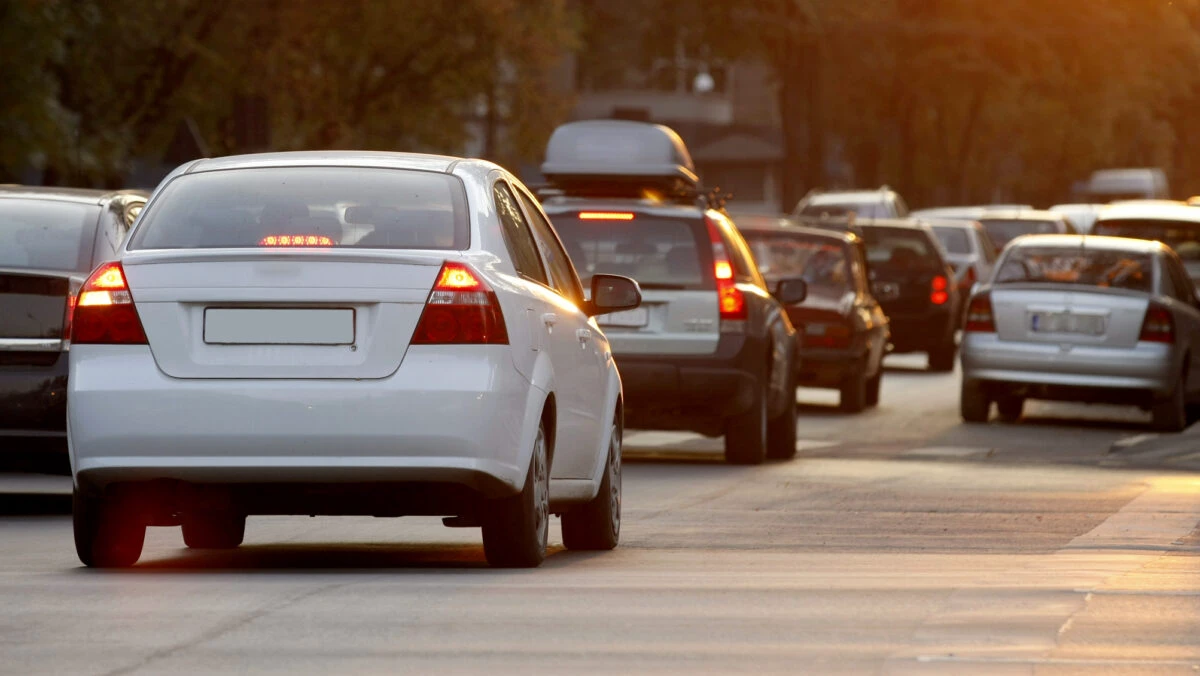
{"points": [[1066, 322], [635, 318], [279, 326]]}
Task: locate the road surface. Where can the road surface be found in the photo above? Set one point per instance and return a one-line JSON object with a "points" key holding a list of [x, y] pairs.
{"points": [[898, 542]]}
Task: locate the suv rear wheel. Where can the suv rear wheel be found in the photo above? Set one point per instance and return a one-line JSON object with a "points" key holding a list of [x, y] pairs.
{"points": [[781, 432], [746, 433]]}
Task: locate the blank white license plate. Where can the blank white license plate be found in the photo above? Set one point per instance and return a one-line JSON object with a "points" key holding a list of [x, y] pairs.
{"points": [[1066, 322], [635, 318], [279, 326]]}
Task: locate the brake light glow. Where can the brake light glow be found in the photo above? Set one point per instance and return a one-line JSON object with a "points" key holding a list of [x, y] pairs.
{"points": [[606, 216], [730, 299], [295, 240], [1158, 326], [938, 294], [104, 312], [461, 310], [979, 315]]}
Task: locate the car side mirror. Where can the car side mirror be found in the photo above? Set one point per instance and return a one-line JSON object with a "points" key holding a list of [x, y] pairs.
{"points": [[791, 291], [613, 293]]}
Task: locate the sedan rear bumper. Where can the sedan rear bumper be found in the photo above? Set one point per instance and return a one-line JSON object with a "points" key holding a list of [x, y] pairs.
{"points": [[1150, 367], [128, 422]]}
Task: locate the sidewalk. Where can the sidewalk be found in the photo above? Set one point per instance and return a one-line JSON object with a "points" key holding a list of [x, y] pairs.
{"points": [[1169, 451]]}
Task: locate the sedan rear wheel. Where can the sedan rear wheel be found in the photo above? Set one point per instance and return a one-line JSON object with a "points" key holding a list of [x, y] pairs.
{"points": [[107, 535], [214, 531], [873, 386], [853, 394], [597, 524], [1170, 413], [516, 528], [974, 403], [941, 359], [1010, 407]]}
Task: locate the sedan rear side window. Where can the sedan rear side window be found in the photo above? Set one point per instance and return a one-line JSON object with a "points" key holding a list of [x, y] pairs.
{"points": [[1097, 268], [47, 234], [660, 253], [361, 208]]}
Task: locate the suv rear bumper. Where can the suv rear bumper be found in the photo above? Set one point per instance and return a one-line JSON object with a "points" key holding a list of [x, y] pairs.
{"points": [[692, 393]]}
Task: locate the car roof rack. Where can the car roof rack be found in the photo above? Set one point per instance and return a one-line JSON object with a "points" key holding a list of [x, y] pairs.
{"points": [[620, 159]]}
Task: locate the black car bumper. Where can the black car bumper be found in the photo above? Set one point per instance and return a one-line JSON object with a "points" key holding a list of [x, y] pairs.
{"points": [[669, 392]]}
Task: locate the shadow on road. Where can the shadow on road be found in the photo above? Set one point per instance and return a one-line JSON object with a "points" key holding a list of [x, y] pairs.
{"points": [[338, 558], [35, 504]]}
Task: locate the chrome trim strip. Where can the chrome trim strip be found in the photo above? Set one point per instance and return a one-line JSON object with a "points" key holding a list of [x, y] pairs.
{"points": [[31, 345]]}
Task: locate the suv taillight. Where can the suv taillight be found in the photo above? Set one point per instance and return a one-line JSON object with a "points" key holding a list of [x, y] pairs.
{"points": [[461, 310], [730, 299], [937, 290], [104, 312], [1158, 326], [979, 315]]}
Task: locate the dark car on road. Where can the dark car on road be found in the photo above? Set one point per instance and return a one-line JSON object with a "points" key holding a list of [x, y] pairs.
{"points": [[711, 349], [50, 239], [843, 329]]}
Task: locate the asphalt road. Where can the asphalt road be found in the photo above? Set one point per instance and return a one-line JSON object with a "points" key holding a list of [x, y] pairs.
{"points": [[899, 541]]}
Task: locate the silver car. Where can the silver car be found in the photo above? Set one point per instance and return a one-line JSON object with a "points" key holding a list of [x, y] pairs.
{"points": [[1095, 319], [968, 248]]}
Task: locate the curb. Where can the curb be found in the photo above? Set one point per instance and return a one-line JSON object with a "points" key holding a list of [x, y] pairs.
{"points": [[1144, 449]]}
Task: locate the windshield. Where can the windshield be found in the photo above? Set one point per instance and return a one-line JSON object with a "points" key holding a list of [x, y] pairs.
{"points": [[1004, 231], [866, 210], [662, 253], [954, 240], [820, 262], [1059, 265], [47, 234], [307, 206], [901, 251]]}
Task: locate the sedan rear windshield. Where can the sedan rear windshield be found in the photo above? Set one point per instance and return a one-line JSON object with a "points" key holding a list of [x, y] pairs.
{"points": [[47, 234], [1182, 236], [344, 207], [660, 253], [1004, 231], [954, 240], [1058, 265], [822, 263], [901, 251], [866, 210]]}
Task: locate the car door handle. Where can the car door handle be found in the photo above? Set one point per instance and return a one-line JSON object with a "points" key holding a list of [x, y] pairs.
{"points": [[550, 319], [584, 336]]}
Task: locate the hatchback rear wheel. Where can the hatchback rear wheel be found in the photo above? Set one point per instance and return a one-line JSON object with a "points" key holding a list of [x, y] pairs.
{"points": [[516, 528], [107, 533], [597, 524]]}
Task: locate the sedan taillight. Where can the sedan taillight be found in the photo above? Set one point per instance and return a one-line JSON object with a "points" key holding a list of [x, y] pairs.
{"points": [[979, 315], [104, 312], [461, 310], [1158, 326]]}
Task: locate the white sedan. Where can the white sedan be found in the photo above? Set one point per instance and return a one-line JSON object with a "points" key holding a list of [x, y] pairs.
{"points": [[344, 333]]}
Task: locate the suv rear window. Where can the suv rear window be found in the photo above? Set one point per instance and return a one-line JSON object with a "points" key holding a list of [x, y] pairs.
{"points": [[660, 253], [1004, 231], [363, 208], [47, 234], [1059, 265], [822, 263], [900, 250]]}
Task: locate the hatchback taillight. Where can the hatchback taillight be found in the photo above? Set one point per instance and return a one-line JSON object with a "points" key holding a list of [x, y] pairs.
{"points": [[979, 315], [730, 299], [1158, 326], [104, 312], [461, 310]]}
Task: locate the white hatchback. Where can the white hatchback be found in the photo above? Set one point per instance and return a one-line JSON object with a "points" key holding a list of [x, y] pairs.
{"points": [[344, 333]]}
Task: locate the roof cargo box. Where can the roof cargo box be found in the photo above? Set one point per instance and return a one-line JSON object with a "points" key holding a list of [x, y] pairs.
{"points": [[602, 156]]}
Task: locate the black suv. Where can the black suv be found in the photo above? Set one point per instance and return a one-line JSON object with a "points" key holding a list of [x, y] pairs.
{"points": [[710, 350]]}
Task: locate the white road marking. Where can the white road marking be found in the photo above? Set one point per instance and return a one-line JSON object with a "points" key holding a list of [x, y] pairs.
{"points": [[946, 452]]}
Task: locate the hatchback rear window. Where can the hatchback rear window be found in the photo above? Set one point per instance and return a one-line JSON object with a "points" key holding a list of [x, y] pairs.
{"points": [[954, 240], [822, 263], [47, 234], [362, 208], [660, 253], [1004, 231], [900, 251], [1057, 265]]}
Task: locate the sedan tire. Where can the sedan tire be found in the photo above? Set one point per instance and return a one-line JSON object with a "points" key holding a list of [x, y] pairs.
{"points": [[596, 526], [974, 404], [941, 359], [1010, 408], [516, 528], [1170, 414], [106, 535], [214, 531], [873, 386], [853, 394]]}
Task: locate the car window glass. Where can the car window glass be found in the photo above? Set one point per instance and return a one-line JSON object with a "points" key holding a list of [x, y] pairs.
{"points": [[954, 240], [562, 273], [1178, 284], [985, 243], [901, 250], [47, 234], [1004, 231], [659, 252], [517, 234], [822, 263], [1071, 265]]}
